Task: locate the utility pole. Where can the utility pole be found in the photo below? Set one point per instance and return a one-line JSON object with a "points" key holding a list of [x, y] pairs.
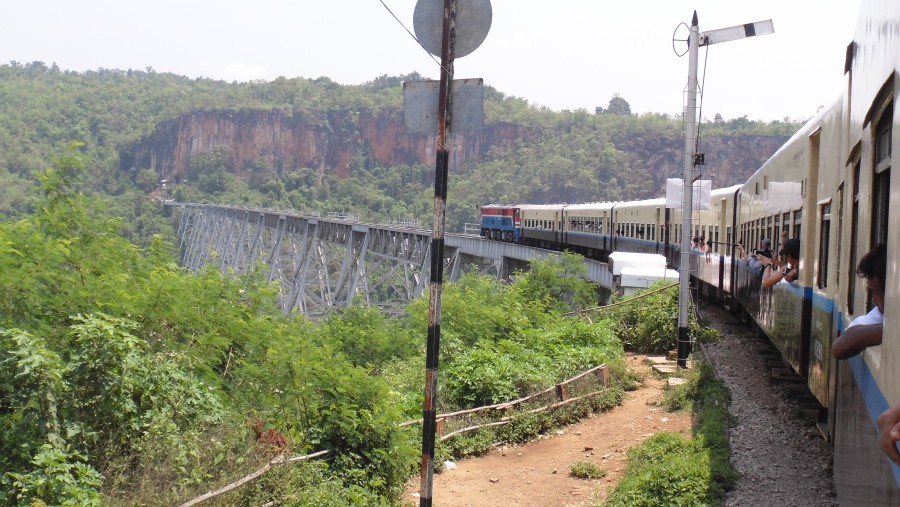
{"points": [[687, 197], [693, 159], [432, 346], [452, 29]]}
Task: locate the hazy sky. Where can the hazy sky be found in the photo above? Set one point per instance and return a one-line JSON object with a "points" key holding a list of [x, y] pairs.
{"points": [[563, 54]]}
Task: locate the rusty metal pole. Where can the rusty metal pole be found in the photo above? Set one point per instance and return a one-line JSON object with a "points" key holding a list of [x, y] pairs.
{"points": [[432, 350]]}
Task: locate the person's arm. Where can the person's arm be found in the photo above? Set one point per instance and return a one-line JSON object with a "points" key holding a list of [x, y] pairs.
{"points": [[889, 428], [771, 275], [856, 338]]}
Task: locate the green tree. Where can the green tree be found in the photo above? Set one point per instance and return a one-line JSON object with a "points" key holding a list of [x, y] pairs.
{"points": [[558, 282], [618, 105]]}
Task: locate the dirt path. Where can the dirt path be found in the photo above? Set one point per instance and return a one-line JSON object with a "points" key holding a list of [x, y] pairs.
{"points": [[537, 474]]}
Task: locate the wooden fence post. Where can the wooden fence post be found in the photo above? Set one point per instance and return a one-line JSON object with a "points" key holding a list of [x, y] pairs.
{"points": [[562, 391]]}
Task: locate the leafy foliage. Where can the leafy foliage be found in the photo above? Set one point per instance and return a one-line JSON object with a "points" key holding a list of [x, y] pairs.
{"points": [[665, 470], [559, 283], [159, 367], [649, 323]]}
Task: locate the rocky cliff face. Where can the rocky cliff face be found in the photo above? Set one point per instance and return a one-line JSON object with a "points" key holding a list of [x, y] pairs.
{"points": [[292, 141], [328, 142], [730, 160]]}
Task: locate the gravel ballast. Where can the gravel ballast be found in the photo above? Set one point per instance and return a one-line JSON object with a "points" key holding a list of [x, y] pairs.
{"points": [[780, 456]]}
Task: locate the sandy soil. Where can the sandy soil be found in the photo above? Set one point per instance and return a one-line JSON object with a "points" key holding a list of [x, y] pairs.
{"points": [[537, 474]]}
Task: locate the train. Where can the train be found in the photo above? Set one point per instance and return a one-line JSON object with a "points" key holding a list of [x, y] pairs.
{"points": [[829, 186]]}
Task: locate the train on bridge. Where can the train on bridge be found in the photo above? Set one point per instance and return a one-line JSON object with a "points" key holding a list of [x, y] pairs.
{"points": [[830, 188]]}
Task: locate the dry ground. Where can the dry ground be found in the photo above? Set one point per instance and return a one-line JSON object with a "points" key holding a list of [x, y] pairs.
{"points": [[537, 474]]}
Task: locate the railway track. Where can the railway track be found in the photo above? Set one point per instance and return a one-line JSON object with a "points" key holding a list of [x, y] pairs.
{"points": [[777, 446]]}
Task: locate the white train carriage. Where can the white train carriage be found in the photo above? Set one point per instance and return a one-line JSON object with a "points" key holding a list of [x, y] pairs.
{"points": [[638, 226], [714, 225], [588, 228], [542, 225], [860, 209]]}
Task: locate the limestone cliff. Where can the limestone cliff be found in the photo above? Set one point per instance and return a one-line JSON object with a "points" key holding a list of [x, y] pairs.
{"points": [[327, 143], [288, 141]]}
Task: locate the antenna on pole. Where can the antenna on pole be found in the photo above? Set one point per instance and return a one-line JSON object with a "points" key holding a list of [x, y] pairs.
{"points": [[693, 160]]}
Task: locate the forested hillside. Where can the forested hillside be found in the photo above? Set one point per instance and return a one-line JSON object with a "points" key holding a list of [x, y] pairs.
{"points": [[371, 168]]}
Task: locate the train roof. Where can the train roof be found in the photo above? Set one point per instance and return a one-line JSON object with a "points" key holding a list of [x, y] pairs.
{"points": [[538, 207], [726, 190], [589, 206], [658, 201]]}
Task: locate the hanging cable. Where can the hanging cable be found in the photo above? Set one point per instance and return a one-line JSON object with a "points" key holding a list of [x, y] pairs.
{"points": [[634, 299], [410, 33]]}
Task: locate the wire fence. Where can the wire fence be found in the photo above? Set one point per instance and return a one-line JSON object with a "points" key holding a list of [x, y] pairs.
{"points": [[588, 383], [581, 386]]}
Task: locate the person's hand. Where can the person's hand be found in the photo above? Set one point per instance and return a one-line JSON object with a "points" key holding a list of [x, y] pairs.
{"points": [[889, 428]]}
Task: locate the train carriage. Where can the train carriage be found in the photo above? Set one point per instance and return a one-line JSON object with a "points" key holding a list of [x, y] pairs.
{"points": [[713, 264], [588, 228], [638, 226], [542, 225], [770, 206], [868, 383]]}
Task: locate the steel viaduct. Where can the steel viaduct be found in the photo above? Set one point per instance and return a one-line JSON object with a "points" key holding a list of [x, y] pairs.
{"points": [[324, 263]]}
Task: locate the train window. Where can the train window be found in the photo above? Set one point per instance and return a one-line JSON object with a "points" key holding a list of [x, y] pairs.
{"points": [[756, 188], [840, 232], [824, 242], [728, 234], [882, 179], [765, 182], [756, 232], [776, 229], [797, 216], [854, 221]]}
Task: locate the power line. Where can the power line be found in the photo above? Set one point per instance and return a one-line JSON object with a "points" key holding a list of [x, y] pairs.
{"points": [[409, 32]]}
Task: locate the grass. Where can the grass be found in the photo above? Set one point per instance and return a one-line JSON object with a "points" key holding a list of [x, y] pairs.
{"points": [[668, 469], [586, 470]]}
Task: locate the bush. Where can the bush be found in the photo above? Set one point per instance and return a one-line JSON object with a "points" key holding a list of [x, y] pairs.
{"points": [[359, 425], [586, 470], [57, 478], [650, 323], [665, 470]]}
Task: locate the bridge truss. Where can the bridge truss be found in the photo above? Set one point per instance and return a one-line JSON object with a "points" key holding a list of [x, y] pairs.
{"points": [[319, 264]]}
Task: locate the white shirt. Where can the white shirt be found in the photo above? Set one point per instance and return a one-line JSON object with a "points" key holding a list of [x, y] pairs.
{"points": [[873, 317]]}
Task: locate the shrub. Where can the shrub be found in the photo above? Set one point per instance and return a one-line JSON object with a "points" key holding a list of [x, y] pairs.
{"points": [[359, 425], [586, 470], [665, 470], [57, 478]]}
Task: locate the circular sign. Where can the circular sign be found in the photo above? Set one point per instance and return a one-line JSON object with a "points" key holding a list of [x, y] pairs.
{"points": [[473, 21]]}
